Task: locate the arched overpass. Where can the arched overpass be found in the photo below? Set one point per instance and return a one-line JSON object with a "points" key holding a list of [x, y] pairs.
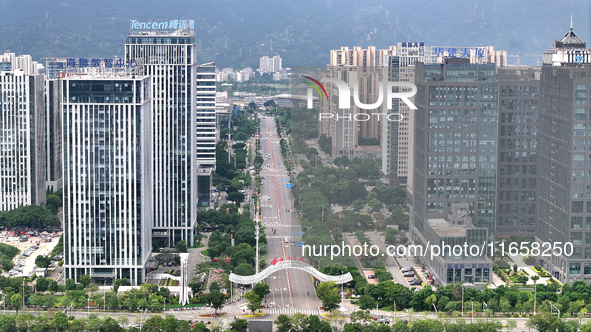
{"points": [[289, 264]]}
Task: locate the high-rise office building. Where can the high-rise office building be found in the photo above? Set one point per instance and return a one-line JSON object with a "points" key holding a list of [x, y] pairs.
{"points": [[206, 124], [207, 132], [455, 157], [22, 139], [53, 130], [397, 139], [519, 95], [564, 162], [107, 177], [166, 51]]}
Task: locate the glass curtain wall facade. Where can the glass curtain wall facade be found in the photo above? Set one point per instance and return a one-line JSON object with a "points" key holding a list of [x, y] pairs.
{"points": [[107, 178], [22, 140], [170, 58], [455, 158]]}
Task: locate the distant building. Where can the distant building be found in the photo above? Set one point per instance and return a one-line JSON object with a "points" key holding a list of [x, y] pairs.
{"points": [[108, 184], [270, 64], [564, 164], [354, 57], [22, 138]]}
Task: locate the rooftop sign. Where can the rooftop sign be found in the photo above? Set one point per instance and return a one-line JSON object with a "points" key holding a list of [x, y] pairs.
{"points": [[161, 25]]}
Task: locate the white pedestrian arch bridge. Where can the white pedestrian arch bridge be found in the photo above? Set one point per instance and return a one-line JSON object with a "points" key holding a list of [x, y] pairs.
{"points": [[289, 264]]}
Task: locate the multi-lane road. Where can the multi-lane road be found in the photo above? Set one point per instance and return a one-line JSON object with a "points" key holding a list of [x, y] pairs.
{"points": [[290, 289]]}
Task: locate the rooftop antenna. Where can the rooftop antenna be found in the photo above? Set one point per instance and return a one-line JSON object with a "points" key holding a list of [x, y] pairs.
{"points": [[571, 20]]}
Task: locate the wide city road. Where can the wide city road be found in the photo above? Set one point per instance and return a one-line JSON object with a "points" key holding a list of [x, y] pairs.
{"points": [[291, 290]]}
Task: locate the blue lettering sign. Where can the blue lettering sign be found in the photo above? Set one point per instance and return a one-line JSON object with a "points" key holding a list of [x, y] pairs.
{"points": [[96, 62], [481, 53], [120, 63], [132, 63], [70, 62], [83, 62], [173, 24], [451, 52], [466, 53], [108, 63]]}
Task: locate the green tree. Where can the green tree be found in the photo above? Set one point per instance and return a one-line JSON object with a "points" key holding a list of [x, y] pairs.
{"points": [[367, 302], [42, 284], [283, 323], [42, 261], [261, 289], [511, 324], [17, 302], [70, 284], [78, 325], [239, 325], [243, 269], [196, 287], [181, 246], [52, 287], [59, 321], [200, 327], [8, 323], [328, 293], [153, 324], [169, 324], [254, 301], [430, 325], [23, 321], [216, 299]]}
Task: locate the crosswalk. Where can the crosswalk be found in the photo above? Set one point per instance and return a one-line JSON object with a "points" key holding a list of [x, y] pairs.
{"points": [[278, 311]]}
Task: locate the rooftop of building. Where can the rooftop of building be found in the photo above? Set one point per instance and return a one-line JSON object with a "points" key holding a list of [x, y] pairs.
{"points": [[570, 40], [444, 229]]}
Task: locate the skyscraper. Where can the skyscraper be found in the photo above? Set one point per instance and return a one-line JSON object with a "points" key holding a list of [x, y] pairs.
{"points": [[22, 139], [207, 132], [397, 139], [107, 177], [166, 51], [519, 95], [564, 168], [455, 167]]}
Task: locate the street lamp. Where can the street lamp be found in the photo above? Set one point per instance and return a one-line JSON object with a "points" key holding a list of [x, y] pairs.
{"points": [[4, 300], [484, 305], [435, 309], [472, 310], [164, 311], [88, 304], [394, 309]]}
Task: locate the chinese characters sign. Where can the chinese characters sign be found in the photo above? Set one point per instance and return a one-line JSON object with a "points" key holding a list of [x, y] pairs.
{"points": [[96, 62], [458, 52], [163, 25]]}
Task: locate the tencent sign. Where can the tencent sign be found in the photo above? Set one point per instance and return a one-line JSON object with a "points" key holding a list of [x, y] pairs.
{"points": [[161, 25]]}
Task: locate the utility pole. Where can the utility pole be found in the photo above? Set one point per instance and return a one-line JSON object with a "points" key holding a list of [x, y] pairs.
{"points": [[462, 300], [535, 298]]}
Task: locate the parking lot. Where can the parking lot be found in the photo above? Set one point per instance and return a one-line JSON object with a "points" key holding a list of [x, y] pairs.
{"points": [[24, 262]]}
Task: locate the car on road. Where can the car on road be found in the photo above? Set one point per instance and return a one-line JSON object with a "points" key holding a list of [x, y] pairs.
{"points": [[409, 274]]}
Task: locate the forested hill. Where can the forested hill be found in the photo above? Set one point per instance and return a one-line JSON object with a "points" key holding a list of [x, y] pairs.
{"points": [[235, 33]]}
